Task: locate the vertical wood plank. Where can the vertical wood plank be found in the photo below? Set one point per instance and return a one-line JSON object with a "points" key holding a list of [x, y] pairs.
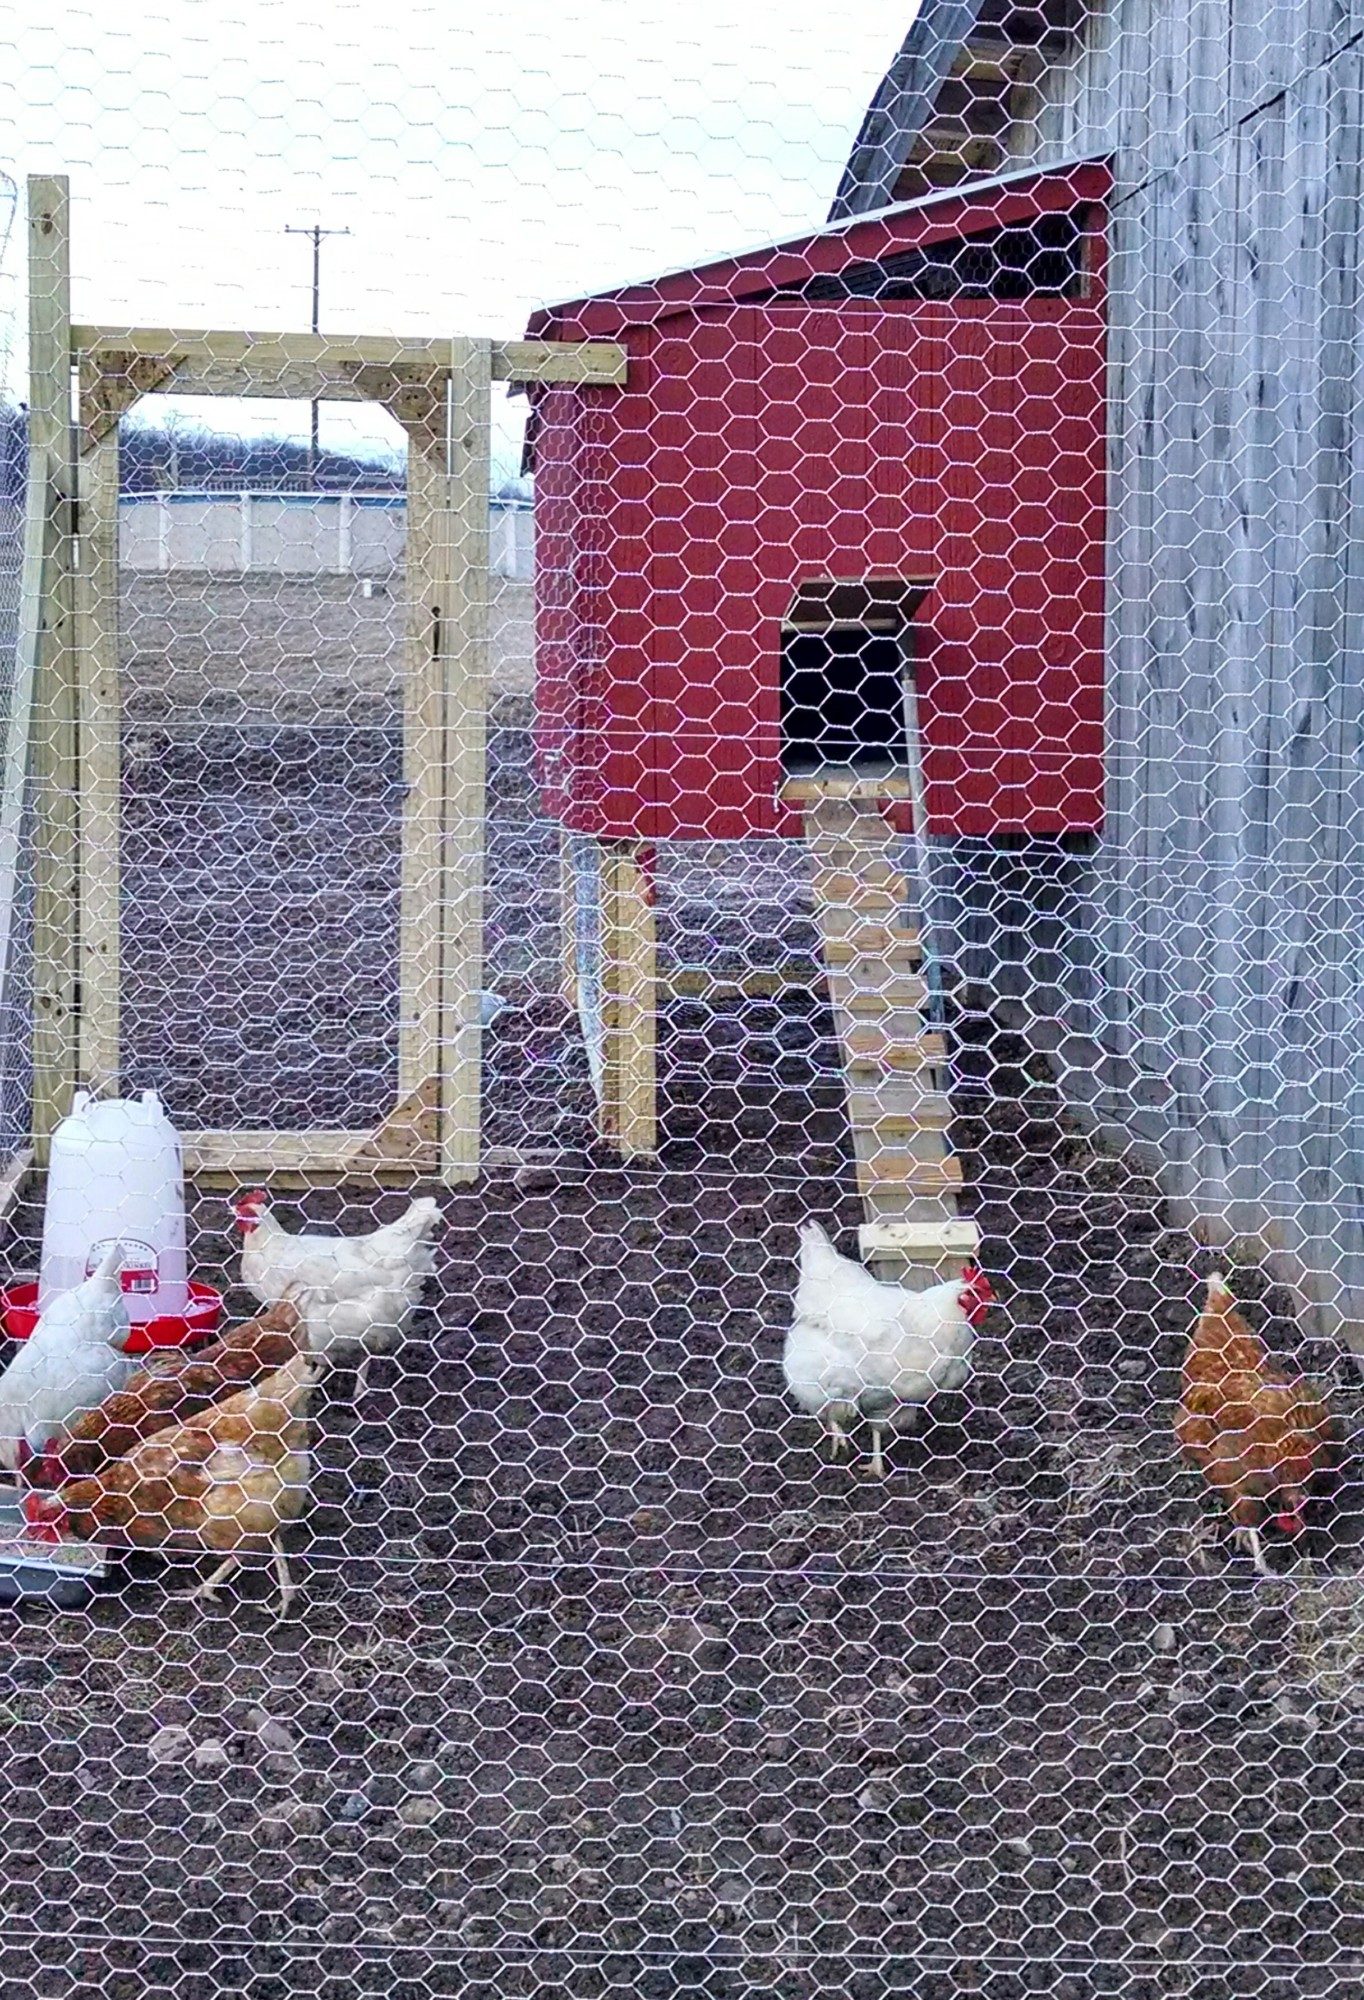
{"points": [[52, 476], [423, 754], [96, 643], [445, 730], [568, 924], [461, 559], [629, 1111]]}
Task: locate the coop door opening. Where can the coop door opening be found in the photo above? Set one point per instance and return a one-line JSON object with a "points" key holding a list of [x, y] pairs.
{"points": [[844, 659]]}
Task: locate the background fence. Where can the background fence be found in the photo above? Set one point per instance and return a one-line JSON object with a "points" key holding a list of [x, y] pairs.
{"points": [[296, 534]]}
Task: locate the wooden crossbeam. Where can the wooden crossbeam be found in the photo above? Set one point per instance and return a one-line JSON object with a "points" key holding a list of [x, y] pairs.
{"points": [[300, 1158], [305, 366]]}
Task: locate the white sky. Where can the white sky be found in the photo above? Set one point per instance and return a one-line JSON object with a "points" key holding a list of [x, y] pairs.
{"points": [[486, 158]]}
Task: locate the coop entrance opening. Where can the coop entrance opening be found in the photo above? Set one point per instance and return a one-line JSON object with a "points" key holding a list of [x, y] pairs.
{"points": [[844, 657]]}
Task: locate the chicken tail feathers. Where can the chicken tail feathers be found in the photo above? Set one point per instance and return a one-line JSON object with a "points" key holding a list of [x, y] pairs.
{"points": [[305, 1300]]}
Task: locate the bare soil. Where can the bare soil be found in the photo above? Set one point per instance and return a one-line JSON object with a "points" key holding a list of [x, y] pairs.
{"points": [[314, 650], [603, 1680]]}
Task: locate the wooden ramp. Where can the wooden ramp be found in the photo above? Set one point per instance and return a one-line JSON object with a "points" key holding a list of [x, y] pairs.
{"points": [[906, 1172]]}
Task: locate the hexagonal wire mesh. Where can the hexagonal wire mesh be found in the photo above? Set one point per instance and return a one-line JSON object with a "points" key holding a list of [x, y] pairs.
{"points": [[914, 793]]}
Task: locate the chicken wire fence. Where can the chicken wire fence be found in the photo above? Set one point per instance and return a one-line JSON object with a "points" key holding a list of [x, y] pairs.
{"points": [[752, 1048]]}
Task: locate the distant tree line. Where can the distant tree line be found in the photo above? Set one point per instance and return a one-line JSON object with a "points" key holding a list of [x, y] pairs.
{"points": [[181, 456], [186, 457]]}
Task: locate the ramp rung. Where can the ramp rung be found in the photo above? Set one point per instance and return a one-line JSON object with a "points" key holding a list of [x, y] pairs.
{"points": [[843, 785], [952, 1236], [850, 857], [872, 1049], [895, 1128], [885, 943], [872, 906], [872, 1002], [905, 1174], [846, 886]]}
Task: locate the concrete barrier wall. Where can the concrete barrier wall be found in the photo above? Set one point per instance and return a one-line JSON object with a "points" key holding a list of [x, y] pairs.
{"points": [[294, 534]]}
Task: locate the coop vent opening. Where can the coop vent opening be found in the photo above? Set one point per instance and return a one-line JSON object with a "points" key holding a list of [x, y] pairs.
{"points": [[1044, 259], [843, 664]]}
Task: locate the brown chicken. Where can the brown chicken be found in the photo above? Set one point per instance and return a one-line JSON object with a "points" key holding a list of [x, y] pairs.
{"points": [[171, 1391], [1258, 1433], [224, 1483]]}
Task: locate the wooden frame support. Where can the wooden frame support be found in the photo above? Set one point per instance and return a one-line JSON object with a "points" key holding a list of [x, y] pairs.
{"points": [[50, 640], [441, 956], [441, 393], [629, 1110], [65, 715], [100, 764], [118, 366], [568, 925], [464, 558]]}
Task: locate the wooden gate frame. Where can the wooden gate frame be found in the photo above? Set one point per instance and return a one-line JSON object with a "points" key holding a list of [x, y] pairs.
{"points": [[66, 713]]}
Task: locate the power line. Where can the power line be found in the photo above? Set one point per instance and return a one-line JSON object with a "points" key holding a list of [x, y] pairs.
{"points": [[316, 232]]}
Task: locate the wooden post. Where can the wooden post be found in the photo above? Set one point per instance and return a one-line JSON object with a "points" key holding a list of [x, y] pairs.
{"points": [[445, 734], [344, 537], [464, 817], [629, 1000], [98, 710], [423, 753], [568, 924], [55, 747]]}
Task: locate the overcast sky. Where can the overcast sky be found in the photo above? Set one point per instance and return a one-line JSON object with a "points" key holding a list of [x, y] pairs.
{"points": [[485, 158]]}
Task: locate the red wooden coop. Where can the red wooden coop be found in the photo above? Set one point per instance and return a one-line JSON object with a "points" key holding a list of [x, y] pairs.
{"points": [[868, 461]]}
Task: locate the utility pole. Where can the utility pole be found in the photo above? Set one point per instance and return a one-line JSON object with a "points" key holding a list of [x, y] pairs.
{"points": [[316, 232]]}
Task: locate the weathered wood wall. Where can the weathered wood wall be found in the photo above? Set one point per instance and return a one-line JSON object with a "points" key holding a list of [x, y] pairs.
{"points": [[1201, 972]]}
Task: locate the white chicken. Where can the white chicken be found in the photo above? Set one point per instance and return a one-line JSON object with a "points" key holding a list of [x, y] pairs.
{"points": [[70, 1362], [355, 1292], [857, 1347]]}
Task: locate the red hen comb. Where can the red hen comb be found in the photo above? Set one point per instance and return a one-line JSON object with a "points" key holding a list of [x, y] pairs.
{"points": [[977, 1293], [43, 1514]]}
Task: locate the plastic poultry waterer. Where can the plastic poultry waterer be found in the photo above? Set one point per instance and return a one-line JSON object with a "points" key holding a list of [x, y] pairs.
{"points": [[116, 1173]]}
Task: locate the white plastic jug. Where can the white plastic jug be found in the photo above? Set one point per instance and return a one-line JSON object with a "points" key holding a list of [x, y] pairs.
{"points": [[116, 1171]]}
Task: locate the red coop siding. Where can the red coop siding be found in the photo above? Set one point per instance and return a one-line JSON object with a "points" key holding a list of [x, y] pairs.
{"points": [[763, 444]]}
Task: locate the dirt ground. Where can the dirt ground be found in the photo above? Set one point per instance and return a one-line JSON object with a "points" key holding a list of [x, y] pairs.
{"points": [[200, 649], [603, 1680]]}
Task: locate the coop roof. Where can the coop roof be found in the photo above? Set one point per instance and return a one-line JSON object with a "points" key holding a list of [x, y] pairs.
{"points": [[964, 78], [1004, 200], [903, 103]]}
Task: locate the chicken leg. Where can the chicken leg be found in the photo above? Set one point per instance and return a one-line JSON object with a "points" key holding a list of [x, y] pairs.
{"points": [[209, 1587], [288, 1589], [1249, 1538], [878, 1461], [838, 1442]]}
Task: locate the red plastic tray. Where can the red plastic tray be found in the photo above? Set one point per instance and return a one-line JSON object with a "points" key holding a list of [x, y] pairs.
{"points": [[19, 1315]]}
